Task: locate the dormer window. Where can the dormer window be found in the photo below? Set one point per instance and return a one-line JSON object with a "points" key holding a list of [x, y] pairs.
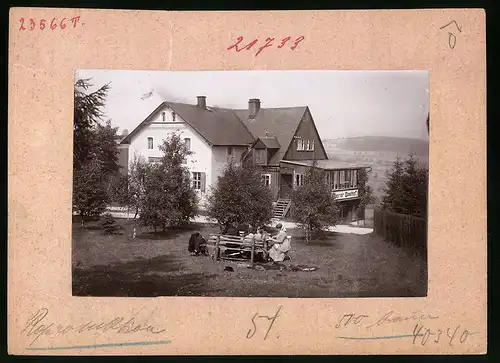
{"points": [[164, 116], [173, 116]]}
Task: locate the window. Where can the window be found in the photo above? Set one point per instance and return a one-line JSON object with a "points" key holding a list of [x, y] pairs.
{"points": [[150, 143], [310, 145], [305, 145], [260, 156], [348, 178], [342, 178], [355, 179], [300, 145], [299, 180], [173, 116], [266, 179], [187, 142], [196, 180], [335, 179], [163, 116], [229, 150]]}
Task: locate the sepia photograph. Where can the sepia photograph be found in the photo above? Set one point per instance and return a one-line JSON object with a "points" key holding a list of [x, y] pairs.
{"points": [[299, 184]]}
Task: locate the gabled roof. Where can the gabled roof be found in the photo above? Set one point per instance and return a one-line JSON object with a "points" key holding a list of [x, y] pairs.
{"points": [[218, 126], [279, 123]]}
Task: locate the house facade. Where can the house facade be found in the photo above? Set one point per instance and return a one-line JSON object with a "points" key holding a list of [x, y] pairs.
{"points": [[283, 142]]}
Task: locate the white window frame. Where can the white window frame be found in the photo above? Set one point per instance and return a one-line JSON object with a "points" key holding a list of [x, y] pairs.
{"points": [[298, 179], [152, 143], [187, 143], [266, 179], [300, 145], [196, 182]]}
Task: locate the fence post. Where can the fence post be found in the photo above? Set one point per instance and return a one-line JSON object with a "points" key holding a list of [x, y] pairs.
{"points": [[253, 251], [217, 248]]}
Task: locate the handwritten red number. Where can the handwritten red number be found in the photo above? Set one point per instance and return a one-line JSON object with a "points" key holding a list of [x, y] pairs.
{"points": [[32, 24], [235, 45], [268, 44], [22, 24], [62, 24], [53, 24], [246, 47], [283, 42], [75, 20], [42, 24], [296, 42]]}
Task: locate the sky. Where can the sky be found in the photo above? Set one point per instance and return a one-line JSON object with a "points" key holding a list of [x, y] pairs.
{"points": [[343, 103]]}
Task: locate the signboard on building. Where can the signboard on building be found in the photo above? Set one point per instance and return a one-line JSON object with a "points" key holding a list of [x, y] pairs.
{"points": [[346, 194]]}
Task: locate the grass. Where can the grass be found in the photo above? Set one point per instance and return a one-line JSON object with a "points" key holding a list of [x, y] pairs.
{"points": [[158, 264]]}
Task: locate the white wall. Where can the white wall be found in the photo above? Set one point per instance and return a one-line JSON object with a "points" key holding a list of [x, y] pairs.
{"points": [[199, 161], [220, 159]]}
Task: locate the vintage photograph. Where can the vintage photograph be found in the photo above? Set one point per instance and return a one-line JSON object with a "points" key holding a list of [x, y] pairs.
{"points": [[250, 183]]}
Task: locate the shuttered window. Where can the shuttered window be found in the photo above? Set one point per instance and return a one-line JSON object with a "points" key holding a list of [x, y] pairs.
{"points": [[199, 180]]}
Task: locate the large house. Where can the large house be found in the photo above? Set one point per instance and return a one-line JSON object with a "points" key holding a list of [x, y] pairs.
{"points": [[284, 142]]}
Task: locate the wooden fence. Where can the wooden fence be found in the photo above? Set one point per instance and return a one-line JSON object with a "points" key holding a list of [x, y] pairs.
{"points": [[402, 230]]}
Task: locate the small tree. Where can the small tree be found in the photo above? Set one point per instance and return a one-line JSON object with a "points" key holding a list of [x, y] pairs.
{"points": [[313, 204], [130, 189], [365, 190], [167, 198], [240, 198], [109, 225]]}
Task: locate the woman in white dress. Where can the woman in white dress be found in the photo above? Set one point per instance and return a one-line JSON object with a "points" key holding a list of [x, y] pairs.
{"points": [[280, 245]]}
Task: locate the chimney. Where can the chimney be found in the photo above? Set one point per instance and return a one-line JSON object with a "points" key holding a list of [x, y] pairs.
{"points": [[202, 101], [253, 107]]}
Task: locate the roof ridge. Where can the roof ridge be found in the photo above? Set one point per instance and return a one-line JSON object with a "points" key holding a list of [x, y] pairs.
{"points": [[244, 125]]}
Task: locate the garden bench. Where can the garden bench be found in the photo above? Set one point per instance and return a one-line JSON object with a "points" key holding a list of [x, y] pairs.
{"points": [[237, 247]]}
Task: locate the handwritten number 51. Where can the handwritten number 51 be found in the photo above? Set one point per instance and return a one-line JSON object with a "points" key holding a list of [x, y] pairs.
{"points": [[452, 39]]}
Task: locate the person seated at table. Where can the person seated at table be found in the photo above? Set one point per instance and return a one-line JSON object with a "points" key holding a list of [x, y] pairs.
{"points": [[261, 235], [279, 245]]}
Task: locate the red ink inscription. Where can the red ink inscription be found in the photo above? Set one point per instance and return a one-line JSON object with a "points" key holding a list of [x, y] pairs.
{"points": [[238, 46], [43, 23]]}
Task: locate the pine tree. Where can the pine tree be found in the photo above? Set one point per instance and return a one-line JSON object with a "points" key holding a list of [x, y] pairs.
{"points": [[406, 191], [95, 153], [109, 224], [240, 198]]}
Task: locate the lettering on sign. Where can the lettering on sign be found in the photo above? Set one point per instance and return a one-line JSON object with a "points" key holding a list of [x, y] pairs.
{"points": [[345, 194]]}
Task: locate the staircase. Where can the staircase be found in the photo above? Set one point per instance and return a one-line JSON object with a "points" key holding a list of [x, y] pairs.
{"points": [[281, 208]]}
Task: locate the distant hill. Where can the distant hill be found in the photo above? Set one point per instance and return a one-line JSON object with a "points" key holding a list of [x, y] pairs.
{"points": [[380, 143]]}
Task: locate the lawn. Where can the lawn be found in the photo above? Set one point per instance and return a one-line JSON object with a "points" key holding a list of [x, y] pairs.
{"points": [[158, 264]]}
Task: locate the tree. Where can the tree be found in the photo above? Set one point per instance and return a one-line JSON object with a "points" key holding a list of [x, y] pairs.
{"points": [[130, 190], [89, 195], [109, 224], [168, 198], [406, 191], [239, 197], [87, 114], [313, 204], [95, 152], [365, 190]]}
